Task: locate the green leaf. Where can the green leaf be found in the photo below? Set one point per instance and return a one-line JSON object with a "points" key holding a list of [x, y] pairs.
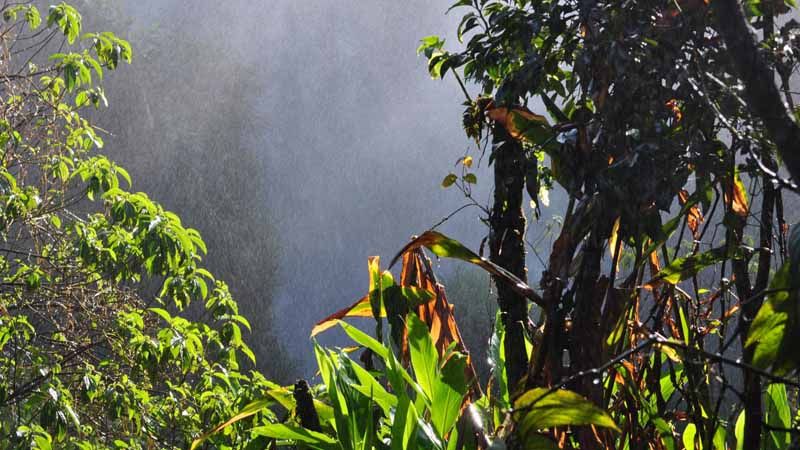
{"points": [[445, 247], [774, 331], [424, 358], [449, 180], [296, 434], [250, 410], [683, 268], [542, 408], [779, 415], [449, 390], [471, 178], [689, 434]]}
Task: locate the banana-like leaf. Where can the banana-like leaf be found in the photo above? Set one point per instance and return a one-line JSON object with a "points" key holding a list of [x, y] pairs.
{"points": [[542, 408], [249, 410], [774, 331], [297, 434], [445, 247]]}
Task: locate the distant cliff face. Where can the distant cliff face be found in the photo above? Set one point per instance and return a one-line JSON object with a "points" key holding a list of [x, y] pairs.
{"points": [[298, 137]]}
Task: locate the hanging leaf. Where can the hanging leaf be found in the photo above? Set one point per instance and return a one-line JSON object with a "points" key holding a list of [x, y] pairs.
{"points": [[542, 408], [297, 434], [248, 411], [693, 215], [522, 124], [445, 247], [736, 196], [361, 308]]}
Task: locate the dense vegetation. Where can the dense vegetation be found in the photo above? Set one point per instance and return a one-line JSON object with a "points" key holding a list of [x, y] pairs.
{"points": [[665, 317]]}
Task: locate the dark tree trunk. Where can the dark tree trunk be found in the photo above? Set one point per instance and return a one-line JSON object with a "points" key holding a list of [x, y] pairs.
{"points": [[507, 226]]}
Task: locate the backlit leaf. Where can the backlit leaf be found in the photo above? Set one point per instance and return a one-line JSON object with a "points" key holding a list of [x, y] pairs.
{"points": [[542, 408]]}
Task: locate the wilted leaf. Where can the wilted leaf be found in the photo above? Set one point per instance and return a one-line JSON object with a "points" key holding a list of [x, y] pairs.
{"points": [[521, 123], [361, 308], [542, 408], [693, 215], [736, 196]]}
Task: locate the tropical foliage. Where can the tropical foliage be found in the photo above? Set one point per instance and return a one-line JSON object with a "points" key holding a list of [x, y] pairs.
{"points": [[665, 318]]}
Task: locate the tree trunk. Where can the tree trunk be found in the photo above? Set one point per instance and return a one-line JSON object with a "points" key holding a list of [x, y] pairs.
{"points": [[507, 226]]}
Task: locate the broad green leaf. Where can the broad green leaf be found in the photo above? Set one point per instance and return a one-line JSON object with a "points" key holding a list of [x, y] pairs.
{"points": [[249, 410], [688, 438], [778, 415], [774, 331], [542, 408], [424, 358], [683, 268], [404, 425], [449, 390], [296, 434], [739, 431]]}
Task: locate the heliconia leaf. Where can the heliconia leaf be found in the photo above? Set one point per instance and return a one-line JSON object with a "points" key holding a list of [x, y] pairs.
{"points": [[297, 434], [542, 408], [438, 314], [361, 308], [249, 410], [774, 331], [445, 247], [424, 358]]}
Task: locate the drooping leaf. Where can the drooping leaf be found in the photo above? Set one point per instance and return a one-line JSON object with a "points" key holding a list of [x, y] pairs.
{"points": [[736, 196], [521, 123], [693, 215], [297, 434], [250, 410], [361, 308], [542, 408], [445, 247]]}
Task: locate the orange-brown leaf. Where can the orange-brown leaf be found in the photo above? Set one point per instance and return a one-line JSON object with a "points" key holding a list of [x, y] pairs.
{"points": [[693, 216], [361, 308], [736, 197], [510, 118]]}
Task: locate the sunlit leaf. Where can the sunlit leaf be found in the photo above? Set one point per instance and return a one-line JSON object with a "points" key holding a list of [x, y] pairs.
{"points": [[774, 331], [684, 268], [248, 411], [445, 247], [542, 408], [296, 434]]}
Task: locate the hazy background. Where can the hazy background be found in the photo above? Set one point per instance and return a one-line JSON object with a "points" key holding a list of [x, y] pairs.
{"points": [[299, 138]]}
